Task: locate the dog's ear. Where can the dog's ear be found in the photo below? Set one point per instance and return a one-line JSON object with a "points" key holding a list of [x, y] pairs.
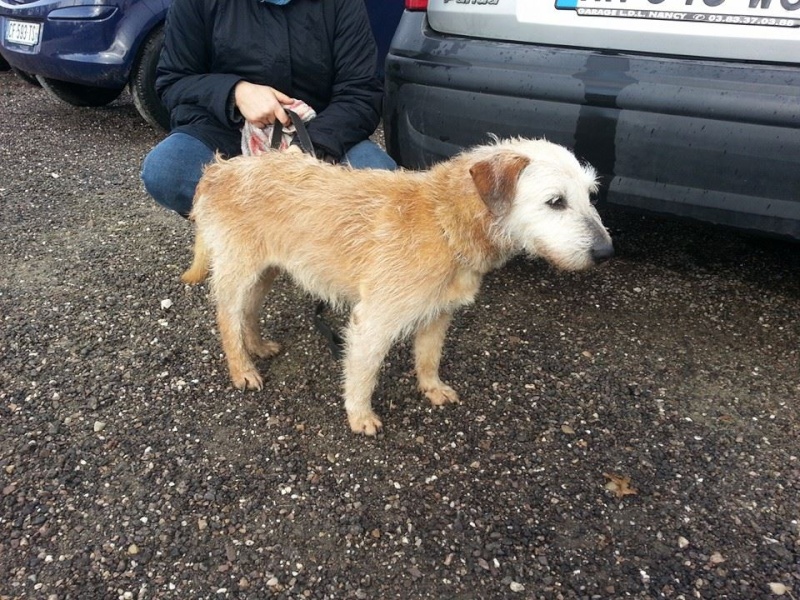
{"points": [[496, 180]]}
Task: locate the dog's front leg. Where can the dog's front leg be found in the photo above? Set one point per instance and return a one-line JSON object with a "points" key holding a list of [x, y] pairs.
{"points": [[369, 337], [428, 344]]}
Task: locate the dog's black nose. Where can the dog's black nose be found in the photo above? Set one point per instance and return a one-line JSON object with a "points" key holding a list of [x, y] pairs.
{"points": [[602, 253]]}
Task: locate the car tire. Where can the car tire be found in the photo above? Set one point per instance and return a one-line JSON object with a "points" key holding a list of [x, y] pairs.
{"points": [[77, 94], [4, 66], [143, 81], [27, 77]]}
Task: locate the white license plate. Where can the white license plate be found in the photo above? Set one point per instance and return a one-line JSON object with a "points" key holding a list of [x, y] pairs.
{"points": [[23, 32], [773, 13]]}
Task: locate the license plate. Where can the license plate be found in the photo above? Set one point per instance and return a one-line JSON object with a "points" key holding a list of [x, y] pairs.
{"points": [[774, 13], [23, 32]]}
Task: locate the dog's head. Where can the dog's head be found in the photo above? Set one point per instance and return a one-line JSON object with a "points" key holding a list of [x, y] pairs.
{"points": [[540, 196]]}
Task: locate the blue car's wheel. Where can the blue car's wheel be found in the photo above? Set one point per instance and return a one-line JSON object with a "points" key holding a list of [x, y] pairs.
{"points": [[143, 81], [77, 94]]}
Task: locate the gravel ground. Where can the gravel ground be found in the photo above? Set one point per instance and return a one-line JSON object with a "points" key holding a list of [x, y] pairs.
{"points": [[129, 468]]}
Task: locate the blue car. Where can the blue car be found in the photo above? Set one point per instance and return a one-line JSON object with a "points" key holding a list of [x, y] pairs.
{"points": [[86, 52]]}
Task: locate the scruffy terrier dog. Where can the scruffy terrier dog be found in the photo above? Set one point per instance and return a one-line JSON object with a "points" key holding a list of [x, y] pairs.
{"points": [[403, 249]]}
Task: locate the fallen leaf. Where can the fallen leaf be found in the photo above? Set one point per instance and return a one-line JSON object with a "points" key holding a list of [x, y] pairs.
{"points": [[621, 486]]}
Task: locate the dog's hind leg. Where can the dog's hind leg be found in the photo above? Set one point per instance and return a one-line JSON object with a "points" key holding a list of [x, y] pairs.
{"points": [[199, 269], [369, 337], [428, 344], [253, 341], [234, 294]]}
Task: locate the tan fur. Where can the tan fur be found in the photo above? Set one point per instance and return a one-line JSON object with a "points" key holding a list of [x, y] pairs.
{"points": [[403, 249]]}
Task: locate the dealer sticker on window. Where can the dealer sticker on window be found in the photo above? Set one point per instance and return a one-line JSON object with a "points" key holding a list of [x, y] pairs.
{"points": [[776, 13]]}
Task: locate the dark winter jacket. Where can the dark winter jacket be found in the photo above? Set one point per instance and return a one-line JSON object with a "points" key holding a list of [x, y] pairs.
{"points": [[319, 51]]}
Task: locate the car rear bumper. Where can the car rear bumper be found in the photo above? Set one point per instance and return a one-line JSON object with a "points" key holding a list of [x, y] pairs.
{"points": [[715, 141], [90, 43]]}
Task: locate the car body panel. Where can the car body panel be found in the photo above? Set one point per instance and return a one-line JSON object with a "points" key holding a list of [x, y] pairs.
{"points": [[383, 18], [76, 44], [707, 139]]}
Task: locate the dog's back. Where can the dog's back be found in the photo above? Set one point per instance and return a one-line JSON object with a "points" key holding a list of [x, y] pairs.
{"points": [[337, 230]]}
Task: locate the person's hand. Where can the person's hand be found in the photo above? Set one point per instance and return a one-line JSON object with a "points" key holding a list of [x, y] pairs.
{"points": [[292, 149], [261, 105]]}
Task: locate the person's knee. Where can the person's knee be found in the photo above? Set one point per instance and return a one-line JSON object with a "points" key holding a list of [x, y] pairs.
{"points": [[156, 180], [171, 170]]}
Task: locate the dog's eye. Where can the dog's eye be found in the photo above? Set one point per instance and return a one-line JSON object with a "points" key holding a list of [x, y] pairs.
{"points": [[557, 202], [593, 200]]}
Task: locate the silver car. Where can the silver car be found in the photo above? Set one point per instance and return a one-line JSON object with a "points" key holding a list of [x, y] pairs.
{"points": [[688, 108]]}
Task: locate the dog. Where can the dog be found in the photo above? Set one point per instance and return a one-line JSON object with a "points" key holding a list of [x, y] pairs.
{"points": [[403, 249]]}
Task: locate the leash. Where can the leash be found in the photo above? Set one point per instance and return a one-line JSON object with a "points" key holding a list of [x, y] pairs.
{"points": [[335, 341], [306, 145]]}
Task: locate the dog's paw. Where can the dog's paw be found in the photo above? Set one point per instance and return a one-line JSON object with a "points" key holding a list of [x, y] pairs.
{"points": [[247, 380], [367, 423], [265, 349], [441, 395]]}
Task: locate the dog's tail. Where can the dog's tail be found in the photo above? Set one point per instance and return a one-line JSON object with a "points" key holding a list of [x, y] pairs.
{"points": [[200, 264]]}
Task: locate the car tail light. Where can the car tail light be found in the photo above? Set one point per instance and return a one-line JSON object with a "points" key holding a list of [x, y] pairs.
{"points": [[416, 4]]}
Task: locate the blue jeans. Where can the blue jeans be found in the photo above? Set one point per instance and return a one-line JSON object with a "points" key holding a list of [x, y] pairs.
{"points": [[171, 170]]}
